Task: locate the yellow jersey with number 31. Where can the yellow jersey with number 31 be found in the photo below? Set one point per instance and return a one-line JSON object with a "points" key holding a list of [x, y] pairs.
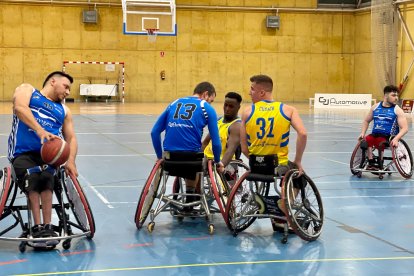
{"points": [[267, 130]]}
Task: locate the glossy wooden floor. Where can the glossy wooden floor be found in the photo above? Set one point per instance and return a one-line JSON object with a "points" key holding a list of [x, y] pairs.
{"points": [[369, 226]]}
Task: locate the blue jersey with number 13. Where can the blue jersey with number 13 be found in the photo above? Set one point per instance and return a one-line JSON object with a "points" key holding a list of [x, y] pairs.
{"points": [[183, 122]]}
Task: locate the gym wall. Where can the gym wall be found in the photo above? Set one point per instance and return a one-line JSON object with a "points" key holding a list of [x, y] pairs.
{"points": [[310, 52]]}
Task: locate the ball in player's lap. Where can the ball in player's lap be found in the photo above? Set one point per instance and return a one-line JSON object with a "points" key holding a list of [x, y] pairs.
{"points": [[55, 152]]}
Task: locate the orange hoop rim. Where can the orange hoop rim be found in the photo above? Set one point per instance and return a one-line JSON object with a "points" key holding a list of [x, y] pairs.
{"points": [[151, 31]]}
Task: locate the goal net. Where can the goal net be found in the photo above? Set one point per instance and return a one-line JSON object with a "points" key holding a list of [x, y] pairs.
{"points": [[96, 80], [384, 39]]}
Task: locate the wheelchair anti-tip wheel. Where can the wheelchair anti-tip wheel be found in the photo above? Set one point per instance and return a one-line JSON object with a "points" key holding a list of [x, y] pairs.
{"points": [[358, 160], [304, 206], [148, 194], [222, 184], [403, 159], [79, 205]]}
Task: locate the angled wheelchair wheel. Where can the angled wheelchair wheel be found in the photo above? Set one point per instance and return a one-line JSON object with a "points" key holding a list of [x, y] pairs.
{"points": [[358, 159], [148, 194], [5, 188], [221, 183], [242, 203], [304, 206], [79, 205], [403, 159], [218, 186]]}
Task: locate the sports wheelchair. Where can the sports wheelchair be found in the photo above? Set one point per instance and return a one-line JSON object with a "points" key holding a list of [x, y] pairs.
{"points": [[210, 197], [69, 195], [394, 160], [250, 199]]}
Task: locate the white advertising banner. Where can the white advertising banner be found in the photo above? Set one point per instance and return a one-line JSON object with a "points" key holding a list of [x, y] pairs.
{"points": [[343, 101]]}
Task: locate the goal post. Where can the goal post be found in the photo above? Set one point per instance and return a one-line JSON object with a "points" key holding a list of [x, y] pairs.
{"points": [[98, 78]]}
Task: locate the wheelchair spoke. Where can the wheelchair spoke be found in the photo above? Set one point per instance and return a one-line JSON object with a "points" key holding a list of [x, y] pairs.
{"points": [[242, 207]]}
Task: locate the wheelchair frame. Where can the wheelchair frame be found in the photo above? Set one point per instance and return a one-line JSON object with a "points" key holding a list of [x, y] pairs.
{"points": [[390, 164], [75, 200], [251, 191], [212, 188]]}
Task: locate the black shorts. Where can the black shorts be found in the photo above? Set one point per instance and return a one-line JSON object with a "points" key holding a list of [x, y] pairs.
{"points": [[183, 164], [39, 181]]}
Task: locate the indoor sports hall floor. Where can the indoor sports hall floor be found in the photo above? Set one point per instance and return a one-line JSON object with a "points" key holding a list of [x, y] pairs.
{"points": [[368, 230]]}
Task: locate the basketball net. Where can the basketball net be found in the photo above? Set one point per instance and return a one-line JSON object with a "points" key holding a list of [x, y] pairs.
{"points": [[152, 35]]}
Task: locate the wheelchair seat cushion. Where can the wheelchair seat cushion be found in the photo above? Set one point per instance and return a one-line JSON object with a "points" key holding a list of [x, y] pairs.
{"points": [[183, 164], [263, 164]]}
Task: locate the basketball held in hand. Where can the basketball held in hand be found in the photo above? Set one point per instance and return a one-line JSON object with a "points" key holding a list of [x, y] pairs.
{"points": [[55, 152]]}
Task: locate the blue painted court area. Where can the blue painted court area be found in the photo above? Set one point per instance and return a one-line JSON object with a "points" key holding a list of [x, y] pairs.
{"points": [[368, 229]]}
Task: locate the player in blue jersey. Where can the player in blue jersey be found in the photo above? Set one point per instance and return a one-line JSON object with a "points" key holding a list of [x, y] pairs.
{"points": [[40, 115], [183, 122], [389, 121]]}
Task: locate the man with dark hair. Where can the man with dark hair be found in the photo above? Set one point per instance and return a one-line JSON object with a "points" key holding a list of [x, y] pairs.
{"points": [[39, 116], [56, 74], [389, 122], [229, 130], [183, 122]]}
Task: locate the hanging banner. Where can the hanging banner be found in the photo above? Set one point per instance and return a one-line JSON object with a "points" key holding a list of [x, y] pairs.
{"points": [[343, 101], [407, 106]]}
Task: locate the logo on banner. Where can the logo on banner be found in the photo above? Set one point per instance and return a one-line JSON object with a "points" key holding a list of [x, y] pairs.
{"points": [[335, 102]]}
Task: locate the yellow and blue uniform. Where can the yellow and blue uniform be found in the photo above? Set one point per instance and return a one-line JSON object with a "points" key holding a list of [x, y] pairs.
{"points": [[267, 130], [224, 136]]}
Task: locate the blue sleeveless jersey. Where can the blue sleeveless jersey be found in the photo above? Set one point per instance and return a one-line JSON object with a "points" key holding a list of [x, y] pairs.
{"points": [[183, 122], [50, 115], [385, 120]]}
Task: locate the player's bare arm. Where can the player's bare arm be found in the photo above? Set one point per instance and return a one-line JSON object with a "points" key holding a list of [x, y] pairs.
{"points": [[232, 143], [365, 123], [302, 136], [70, 138], [243, 137], [403, 125]]}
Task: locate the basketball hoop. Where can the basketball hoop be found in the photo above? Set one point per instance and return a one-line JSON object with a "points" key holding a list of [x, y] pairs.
{"points": [[152, 34]]}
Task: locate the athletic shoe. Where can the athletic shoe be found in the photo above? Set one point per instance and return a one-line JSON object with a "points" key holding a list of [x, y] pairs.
{"points": [[48, 232], [37, 231]]}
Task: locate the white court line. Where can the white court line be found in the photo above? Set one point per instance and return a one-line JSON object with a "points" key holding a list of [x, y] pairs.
{"points": [[109, 186], [323, 197], [343, 197], [319, 152], [115, 155], [360, 181], [112, 133], [101, 197], [335, 161]]}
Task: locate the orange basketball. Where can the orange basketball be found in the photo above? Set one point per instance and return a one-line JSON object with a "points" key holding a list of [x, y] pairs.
{"points": [[55, 152]]}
